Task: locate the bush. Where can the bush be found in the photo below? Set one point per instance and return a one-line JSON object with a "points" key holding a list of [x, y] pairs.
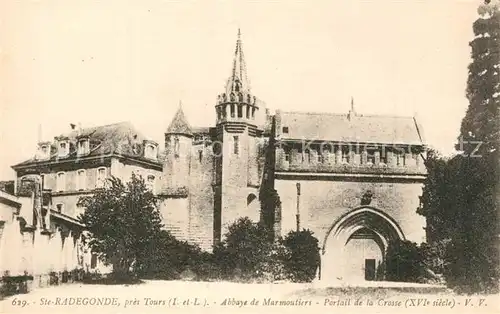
{"points": [[404, 262], [246, 251], [302, 256]]}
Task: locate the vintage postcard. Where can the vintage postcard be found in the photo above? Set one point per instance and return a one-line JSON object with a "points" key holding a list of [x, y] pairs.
{"points": [[165, 156]]}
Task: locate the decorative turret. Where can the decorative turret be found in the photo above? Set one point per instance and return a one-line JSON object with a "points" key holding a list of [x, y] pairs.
{"points": [[237, 102], [178, 145]]}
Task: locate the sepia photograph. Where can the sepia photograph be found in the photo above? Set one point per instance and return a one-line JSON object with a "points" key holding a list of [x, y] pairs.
{"points": [[249, 156]]}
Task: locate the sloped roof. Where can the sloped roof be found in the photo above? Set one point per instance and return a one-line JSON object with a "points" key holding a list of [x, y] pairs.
{"points": [[120, 138], [356, 128], [179, 124]]}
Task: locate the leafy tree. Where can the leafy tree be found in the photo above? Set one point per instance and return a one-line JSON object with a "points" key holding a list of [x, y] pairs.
{"points": [[123, 221], [460, 194], [482, 121]]}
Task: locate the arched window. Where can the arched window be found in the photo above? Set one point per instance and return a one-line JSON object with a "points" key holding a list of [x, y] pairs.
{"points": [[60, 181], [101, 177], [81, 180], [232, 110], [240, 111]]}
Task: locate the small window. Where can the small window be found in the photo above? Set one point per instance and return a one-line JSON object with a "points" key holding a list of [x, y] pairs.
{"points": [[150, 151], [150, 182], [236, 145], [83, 147], [287, 156], [285, 130], [176, 147], [60, 181], [101, 177], [200, 155], [59, 208], [80, 180]]}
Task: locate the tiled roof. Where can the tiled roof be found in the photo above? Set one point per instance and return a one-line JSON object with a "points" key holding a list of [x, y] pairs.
{"points": [[200, 129], [120, 138], [356, 128]]}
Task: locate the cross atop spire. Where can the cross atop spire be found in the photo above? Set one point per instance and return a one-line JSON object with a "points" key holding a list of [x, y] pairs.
{"points": [[238, 81]]}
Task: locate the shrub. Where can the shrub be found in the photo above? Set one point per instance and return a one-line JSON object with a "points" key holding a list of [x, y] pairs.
{"points": [[245, 250], [301, 256], [404, 262]]}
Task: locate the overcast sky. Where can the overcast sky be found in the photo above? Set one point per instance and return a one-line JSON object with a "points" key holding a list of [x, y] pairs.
{"points": [[98, 62]]}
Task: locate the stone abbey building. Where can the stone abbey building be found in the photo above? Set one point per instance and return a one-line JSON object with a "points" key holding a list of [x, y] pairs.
{"points": [[352, 179]]}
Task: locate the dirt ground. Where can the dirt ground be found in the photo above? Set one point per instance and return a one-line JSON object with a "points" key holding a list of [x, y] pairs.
{"points": [[217, 297]]}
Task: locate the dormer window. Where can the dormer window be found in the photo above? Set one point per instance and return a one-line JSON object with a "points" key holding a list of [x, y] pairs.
{"points": [[63, 149], [83, 146], [43, 151], [150, 151]]}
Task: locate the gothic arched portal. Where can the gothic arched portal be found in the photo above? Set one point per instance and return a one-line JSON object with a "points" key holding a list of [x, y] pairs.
{"points": [[354, 247]]}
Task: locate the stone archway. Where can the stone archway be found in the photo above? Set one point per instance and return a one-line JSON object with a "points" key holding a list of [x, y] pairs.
{"points": [[354, 247]]}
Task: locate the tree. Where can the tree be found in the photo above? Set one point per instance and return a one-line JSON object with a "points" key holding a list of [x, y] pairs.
{"points": [[481, 123], [123, 220], [460, 194]]}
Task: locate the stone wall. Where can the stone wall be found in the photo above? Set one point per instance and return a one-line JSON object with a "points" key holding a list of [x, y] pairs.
{"points": [[323, 201], [201, 196]]}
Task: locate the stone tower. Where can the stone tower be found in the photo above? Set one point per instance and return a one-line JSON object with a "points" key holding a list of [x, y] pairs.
{"points": [[236, 149], [176, 168]]}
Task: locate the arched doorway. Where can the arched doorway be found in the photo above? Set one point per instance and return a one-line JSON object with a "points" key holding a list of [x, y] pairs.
{"points": [[355, 245]]}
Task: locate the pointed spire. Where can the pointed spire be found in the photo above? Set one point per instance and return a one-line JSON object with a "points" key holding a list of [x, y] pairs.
{"points": [[238, 81], [179, 124], [352, 112]]}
